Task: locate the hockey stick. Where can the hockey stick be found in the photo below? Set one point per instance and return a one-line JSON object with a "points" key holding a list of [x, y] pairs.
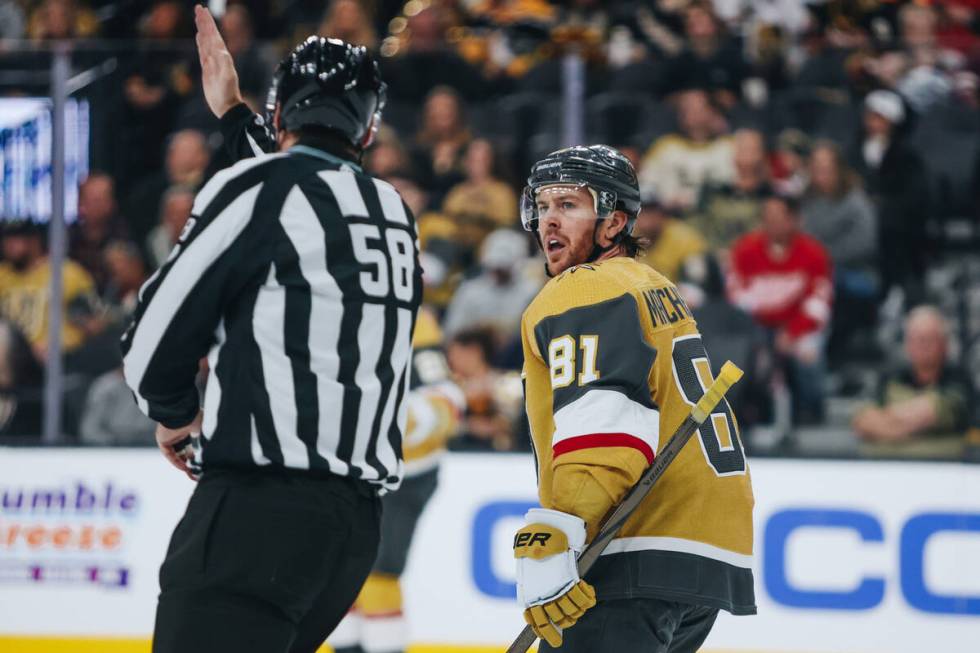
{"points": [[728, 376]]}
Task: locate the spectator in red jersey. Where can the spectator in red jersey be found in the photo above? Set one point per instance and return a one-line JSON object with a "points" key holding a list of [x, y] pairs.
{"points": [[782, 277]]}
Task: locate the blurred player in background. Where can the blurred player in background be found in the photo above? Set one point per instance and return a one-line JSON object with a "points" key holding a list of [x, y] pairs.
{"points": [[376, 624], [613, 364]]}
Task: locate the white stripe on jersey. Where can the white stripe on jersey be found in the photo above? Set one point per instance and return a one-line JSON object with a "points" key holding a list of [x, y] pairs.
{"points": [[180, 280], [212, 393], [306, 234], [257, 455], [268, 325], [391, 202], [343, 185], [607, 411], [399, 360], [679, 545], [370, 334], [211, 189]]}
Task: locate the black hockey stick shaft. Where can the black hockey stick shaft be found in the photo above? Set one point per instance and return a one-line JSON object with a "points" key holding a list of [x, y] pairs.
{"points": [[727, 377]]}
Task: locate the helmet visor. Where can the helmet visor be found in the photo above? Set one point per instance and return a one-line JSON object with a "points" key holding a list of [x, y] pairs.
{"points": [[603, 202], [529, 211]]}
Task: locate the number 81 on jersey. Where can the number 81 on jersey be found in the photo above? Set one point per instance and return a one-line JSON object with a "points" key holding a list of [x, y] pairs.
{"points": [[572, 360]]}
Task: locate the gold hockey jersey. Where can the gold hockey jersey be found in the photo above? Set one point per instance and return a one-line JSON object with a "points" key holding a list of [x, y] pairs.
{"points": [[613, 363], [434, 402]]}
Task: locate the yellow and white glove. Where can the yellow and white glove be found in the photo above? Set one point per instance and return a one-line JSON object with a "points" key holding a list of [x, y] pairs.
{"points": [[548, 585]]}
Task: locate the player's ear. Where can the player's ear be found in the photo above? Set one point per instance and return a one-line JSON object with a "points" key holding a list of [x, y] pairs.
{"points": [[612, 226]]}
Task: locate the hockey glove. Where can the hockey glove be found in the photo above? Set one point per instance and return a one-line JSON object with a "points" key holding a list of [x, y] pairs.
{"points": [[548, 585]]}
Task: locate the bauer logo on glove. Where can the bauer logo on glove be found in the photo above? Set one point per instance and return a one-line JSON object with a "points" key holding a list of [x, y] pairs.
{"points": [[548, 585], [539, 541]]}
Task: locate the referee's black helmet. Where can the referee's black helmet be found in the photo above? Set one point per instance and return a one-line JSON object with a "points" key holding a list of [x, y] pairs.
{"points": [[329, 84], [604, 170]]}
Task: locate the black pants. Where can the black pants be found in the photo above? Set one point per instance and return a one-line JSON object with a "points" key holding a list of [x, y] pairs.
{"points": [[638, 625], [265, 562], [402, 510]]}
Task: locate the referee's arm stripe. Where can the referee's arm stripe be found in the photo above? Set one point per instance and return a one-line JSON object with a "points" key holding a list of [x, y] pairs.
{"points": [[216, 195], [225, 179], [176, 284], [212, 391]]}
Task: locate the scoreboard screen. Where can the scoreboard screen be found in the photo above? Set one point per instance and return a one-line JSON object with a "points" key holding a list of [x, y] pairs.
{"points": [[26, 132]]}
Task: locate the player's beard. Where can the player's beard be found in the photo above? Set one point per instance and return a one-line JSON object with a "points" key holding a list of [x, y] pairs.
{"points": [[575, 253]]}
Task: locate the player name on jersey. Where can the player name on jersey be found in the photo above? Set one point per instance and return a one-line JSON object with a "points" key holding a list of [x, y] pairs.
{"points": [[665, 306]]}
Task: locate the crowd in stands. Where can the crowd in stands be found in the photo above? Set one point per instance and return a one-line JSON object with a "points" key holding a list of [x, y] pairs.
{"points": [[807, 168]]}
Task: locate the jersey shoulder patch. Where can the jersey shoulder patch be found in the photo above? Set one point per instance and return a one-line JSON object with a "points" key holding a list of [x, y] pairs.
{"points": [[224, 177]]}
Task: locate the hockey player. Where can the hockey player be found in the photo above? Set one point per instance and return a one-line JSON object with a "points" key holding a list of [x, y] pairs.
{"points": [[613, 363]]}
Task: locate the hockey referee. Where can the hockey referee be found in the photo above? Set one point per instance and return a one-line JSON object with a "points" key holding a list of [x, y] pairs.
{"points": [[297, 278]]}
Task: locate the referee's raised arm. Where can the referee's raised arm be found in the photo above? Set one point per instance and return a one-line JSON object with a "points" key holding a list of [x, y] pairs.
{"points": [[245, 133]]}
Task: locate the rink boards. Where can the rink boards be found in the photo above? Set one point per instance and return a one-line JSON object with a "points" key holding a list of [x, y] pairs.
{"points": [[851, 557]]}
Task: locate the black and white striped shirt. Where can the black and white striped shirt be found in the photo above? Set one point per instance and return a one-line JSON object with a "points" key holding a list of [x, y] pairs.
{"points": [[298, 278]]}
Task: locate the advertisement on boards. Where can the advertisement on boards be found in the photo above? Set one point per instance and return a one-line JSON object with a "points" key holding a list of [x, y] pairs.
{"points": [[850, 557], [82, 534]]}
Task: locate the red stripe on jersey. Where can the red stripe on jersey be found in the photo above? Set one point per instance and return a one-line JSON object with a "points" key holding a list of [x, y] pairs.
{"points": [[392, 614], [595, 440]]}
